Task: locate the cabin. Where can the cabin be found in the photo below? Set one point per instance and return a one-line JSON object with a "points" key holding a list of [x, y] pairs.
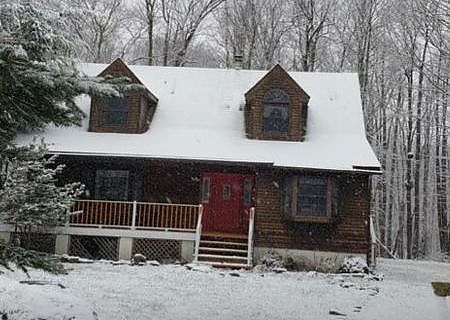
{"points": [[218, 166]]}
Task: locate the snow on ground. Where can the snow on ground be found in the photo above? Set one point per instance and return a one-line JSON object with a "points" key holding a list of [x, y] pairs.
{"points": [[105, 291]]}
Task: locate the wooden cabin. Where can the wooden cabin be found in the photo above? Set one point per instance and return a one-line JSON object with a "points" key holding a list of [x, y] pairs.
{"points": [[219, 166]]}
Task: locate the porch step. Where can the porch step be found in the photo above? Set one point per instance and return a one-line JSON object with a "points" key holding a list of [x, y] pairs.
{"points": [[223, 244], [227, 265], [223, 251], [218, 258], [234, 237]]}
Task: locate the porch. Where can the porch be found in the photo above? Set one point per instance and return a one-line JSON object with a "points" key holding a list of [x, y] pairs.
{"points": [[165, 221], [128, 227]]}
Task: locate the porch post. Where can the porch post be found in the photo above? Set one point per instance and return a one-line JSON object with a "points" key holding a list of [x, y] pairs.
{"points": [[5, 236], [62, 244], [187, 250], [125, 248], [133, 219]]}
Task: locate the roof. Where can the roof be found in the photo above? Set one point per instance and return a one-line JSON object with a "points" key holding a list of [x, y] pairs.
{"points": [[200, 117]]}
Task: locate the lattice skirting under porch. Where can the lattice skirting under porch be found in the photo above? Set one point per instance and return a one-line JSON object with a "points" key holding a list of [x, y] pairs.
{"points": [[161, 250], [94, 247], [43, 242]]}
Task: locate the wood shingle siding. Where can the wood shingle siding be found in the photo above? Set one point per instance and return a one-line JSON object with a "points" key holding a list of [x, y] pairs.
{"points": [[347, 233]]}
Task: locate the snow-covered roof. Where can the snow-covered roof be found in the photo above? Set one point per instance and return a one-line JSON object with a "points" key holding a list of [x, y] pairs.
{"points": [[199, 116]]}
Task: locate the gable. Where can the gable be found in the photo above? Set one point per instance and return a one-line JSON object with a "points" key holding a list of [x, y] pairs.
{"points": [[276, 74], [276, 108], [118, 68], [132, 113]]}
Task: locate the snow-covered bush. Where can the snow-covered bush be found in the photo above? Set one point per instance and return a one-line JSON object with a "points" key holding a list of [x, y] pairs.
{"points": [[24, 259], [270, 261], [354, 265]]}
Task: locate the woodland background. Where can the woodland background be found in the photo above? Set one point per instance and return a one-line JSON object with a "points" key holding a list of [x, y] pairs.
{"points": [[399, 48]]}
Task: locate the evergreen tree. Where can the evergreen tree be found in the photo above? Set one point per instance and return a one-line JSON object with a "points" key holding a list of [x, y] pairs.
{"points": [[30, 198], [38, 84]]}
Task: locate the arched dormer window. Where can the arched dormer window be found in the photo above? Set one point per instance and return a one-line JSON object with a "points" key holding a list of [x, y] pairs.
{"points": [[276, 111]]}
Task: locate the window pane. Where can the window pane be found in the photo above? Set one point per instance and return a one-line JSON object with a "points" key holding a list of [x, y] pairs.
{"points": [[312, 197], [226, 192], [276, 111], [111, 185], [275, 117], [276, 96], [114, 117], [115, 111], [247, 193], [206, 189]]}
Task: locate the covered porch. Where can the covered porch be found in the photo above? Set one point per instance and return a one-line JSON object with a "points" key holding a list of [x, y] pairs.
{"points": [[174, 200]]}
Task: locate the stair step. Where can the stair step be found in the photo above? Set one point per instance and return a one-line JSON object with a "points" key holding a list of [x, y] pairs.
{"points": [[223, 250], [224, 235], [220, 258], [225, 243], [227, 265]]}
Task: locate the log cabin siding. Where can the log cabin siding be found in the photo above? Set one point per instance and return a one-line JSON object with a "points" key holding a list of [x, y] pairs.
{"points": [[277, 78], [348, 232]]}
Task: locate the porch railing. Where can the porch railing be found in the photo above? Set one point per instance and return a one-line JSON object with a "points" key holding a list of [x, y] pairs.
{"points": [[198, 234], [135, 215]]}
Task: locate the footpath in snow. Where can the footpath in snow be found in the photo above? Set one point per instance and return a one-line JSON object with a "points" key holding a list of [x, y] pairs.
{"points": [[105, 291]]}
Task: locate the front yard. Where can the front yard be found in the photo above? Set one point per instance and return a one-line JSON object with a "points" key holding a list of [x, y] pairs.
{"points": [[104, 291]]}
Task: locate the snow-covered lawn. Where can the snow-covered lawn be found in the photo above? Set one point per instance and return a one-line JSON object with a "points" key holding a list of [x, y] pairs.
{"points": [[106, 291]]}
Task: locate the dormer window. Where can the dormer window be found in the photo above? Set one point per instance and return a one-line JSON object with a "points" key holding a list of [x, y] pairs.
{"points": [[115, 111], [276, 111], [131, 113], [276, 108]]}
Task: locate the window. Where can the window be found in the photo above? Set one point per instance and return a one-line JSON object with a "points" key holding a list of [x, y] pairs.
{"points": [[309, 198], [206, 189], [115, 111], [226, 192], [312, 196], [247, 198], [276, 111], [111, 185]]}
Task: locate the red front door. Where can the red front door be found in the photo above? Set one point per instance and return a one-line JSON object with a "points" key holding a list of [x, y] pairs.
{"points": [[226, 198]]}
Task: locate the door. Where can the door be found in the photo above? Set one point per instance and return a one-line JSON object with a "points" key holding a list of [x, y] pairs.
{"points": [[226, 199]]}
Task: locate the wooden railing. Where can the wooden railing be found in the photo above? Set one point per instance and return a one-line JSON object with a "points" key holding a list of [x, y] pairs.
{"points": [[198, 234], [135, 215], [373, 243], [251, 224]]}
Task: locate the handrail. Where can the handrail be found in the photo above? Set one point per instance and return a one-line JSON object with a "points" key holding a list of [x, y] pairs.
{"points": [[251, 223], [198, 232], [373, 242]]}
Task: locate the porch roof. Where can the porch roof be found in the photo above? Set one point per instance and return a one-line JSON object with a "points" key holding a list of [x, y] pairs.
{"points": [[200, 117]]}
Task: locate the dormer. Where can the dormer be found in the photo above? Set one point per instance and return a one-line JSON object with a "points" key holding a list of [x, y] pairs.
{"points": [[276, 108], [131, 113]]}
